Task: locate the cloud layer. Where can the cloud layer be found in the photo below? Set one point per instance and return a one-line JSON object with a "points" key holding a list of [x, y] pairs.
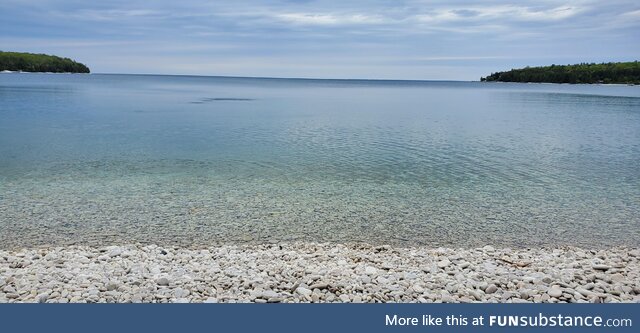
{"points": [[365, 39]]}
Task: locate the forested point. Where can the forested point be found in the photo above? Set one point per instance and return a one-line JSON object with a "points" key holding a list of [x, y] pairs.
{"points": [[30, 62], [612, 72]]}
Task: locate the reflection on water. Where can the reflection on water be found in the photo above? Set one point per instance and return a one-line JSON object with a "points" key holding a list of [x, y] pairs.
{"points": [[201, 160]]}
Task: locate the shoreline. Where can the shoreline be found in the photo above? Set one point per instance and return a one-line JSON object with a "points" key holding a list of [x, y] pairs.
{"points": [[347, 80], [312, 272], [344, 80]]}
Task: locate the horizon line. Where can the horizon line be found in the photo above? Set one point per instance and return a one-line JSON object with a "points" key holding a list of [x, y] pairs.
{"points": [[249, 77], [280, 78]]}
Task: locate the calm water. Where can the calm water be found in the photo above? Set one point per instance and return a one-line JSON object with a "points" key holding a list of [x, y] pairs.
{"points": [[95, 159]]}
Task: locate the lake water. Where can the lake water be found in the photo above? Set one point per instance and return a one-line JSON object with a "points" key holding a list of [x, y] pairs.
{"points": [[101, 159]]}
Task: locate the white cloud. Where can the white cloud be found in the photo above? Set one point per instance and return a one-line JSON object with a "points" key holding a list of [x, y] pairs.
{"points": [[109, 15], [329, 19], [632, 15], [504, 12]]}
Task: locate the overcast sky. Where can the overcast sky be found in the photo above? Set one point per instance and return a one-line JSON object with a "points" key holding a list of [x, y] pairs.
{"points": [[457, 40]]}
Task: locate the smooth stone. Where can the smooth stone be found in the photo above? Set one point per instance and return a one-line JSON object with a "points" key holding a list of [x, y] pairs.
{"points": [[476, 294], [518, 300], [9, 289], [180, 293], [41, 298], [163, 281], [617, 277], [489, 248], [326, 285], [447, 299], [115, 252], [270, 294], [492, 288], [554, 292], [369, 270], [601, 267], [181, 300], [303, 291], [444, 263], [84, 260]]}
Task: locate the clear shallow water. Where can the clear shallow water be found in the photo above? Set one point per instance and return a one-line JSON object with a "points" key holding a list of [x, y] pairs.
{"points": [[95, 159]]}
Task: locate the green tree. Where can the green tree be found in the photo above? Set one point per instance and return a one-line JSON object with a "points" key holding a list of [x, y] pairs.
{"points": [[29, 62]]}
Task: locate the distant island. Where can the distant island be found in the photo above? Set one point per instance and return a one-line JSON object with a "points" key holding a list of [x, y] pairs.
{"points": [[30, 62], [612, 72]]}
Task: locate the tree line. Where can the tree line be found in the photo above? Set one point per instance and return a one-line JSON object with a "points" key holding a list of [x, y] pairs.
{"points": [[30, 62], [612, 72]]}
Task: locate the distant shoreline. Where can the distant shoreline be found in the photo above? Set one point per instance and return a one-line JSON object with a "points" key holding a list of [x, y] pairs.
{"points": [[356, 80], [585, 73], [39, 63], [21, 72]]}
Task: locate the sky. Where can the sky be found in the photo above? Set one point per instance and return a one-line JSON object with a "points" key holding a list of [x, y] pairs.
{"points": [[385, 39]]}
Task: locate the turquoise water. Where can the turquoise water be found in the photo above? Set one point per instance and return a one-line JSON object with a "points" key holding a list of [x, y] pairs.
{"points": [[101, 159]]}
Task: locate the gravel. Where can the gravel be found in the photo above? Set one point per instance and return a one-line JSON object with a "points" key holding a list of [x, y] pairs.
{"points": [[312, 272]]}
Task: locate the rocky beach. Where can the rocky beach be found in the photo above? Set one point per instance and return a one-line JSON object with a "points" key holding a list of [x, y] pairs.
{"points": [[308, 272], [174, 189]]}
